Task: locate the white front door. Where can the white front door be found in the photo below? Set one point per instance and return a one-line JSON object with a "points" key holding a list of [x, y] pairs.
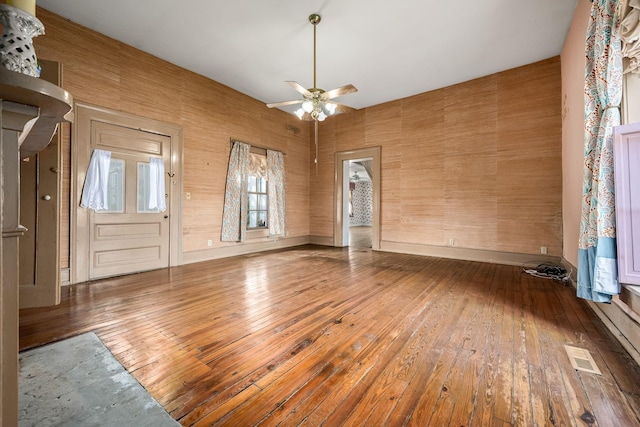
{"points": [[129, 236]]}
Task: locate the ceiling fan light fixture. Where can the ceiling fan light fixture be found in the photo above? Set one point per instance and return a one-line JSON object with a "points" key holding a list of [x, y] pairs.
{"points": [[307, 106], [315, 105], [329, 108]]}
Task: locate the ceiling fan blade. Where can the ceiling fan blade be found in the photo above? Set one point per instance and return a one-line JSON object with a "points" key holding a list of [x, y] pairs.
{"points": [[341, 91], [283, 103], [299, 88]]}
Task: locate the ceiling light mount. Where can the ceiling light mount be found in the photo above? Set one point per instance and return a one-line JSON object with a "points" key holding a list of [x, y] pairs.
{"points": [[315, 19]]}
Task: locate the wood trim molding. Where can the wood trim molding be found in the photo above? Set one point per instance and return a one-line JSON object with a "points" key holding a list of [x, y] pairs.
{"points": [[321, 240], [619, 319], [65, 276], [479, 255], [338, 220], [242, 249], [621, 325]]}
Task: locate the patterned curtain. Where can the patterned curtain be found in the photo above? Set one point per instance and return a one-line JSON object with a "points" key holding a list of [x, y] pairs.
{"points": [[234, 215], [597, 263], [275, 180]]}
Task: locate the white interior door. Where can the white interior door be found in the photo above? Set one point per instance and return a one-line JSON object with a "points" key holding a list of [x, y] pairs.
{"points": [[129, 237]]}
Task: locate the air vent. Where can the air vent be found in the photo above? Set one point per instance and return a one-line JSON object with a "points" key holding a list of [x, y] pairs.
{"points": [[582, 360]]}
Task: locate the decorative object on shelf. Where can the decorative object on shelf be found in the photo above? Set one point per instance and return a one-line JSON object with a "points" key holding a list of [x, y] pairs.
{"points": [[16, 47]]}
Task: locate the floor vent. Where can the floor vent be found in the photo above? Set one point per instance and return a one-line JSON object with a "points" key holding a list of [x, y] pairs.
{"points": [[582, 360]]}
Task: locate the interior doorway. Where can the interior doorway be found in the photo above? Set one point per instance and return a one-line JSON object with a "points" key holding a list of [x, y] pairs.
{"points": [[360, 203], [357, 170]]}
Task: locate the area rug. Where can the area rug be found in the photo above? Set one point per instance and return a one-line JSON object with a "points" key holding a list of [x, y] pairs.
{"points": [[78, 382]]}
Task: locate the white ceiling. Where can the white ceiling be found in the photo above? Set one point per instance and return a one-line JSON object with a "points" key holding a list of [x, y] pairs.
{"points": [[356, 168], [387, 49]]}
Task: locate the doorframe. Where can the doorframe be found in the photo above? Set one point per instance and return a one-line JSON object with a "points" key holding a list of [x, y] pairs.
{"points": [[340, 182], [81, 149]]}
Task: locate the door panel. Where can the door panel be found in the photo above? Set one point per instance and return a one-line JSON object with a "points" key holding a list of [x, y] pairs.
{"points": [[39, 247], [129, 237]]}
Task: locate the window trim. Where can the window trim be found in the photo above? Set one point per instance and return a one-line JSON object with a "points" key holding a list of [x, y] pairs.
{"points": [[256, 233]]}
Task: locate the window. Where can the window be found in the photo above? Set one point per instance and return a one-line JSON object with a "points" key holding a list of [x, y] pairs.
{"points": [[253, 207], [144, 188], [258, 203], [115, 187]]}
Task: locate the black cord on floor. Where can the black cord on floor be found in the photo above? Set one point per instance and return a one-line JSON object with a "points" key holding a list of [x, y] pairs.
{"points": [[547, 271]]}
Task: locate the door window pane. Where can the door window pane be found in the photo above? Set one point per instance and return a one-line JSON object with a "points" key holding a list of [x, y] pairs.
{"points": [[115, 187], [144, 188]]}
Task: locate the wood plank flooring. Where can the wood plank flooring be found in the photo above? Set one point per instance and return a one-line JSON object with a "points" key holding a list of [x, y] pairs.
{"points": [[360, 237], [328, 336]]}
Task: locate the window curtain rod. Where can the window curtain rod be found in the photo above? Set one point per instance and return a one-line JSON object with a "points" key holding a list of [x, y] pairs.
{"points": [[255, 146]]}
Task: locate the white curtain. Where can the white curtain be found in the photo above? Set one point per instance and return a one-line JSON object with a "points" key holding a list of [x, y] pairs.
{"points": [[257, 165], [156, 185], [234, 215], [275, 180], [94, 191], [630, 35]]}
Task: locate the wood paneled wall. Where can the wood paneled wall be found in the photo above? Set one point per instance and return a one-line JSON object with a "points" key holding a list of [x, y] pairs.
{"points": [[104, 72], [478, 162]]}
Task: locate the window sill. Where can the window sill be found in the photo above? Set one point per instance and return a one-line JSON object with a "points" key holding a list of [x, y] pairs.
{"points": [[257, 234]]}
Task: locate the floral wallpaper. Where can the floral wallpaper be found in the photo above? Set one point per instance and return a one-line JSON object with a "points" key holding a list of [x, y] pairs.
{"points": [[362, 203]]}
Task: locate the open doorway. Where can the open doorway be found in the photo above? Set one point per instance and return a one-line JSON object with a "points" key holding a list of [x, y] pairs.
{"points": [[357, 203], [360, 203]]}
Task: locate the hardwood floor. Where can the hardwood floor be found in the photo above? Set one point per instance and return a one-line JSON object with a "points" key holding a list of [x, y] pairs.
{"points": [[360, 237], [329, 336]]}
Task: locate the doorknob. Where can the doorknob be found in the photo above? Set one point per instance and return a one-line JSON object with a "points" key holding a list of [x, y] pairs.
{"points": [[47, 197], [166, 216]]}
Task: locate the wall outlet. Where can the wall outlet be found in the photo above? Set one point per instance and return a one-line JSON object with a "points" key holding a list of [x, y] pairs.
{"points": [[543, 250], [452, 242], [209, 242], [187, 196]]}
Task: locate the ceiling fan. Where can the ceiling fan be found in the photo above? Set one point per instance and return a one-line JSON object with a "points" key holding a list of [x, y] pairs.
{"points": [[317, 104]]}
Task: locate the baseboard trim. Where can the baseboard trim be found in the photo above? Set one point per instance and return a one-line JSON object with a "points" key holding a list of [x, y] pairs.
{"points": [[611, 315], [65, 277], [242, 249], [479, 255], [321, 240]]}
